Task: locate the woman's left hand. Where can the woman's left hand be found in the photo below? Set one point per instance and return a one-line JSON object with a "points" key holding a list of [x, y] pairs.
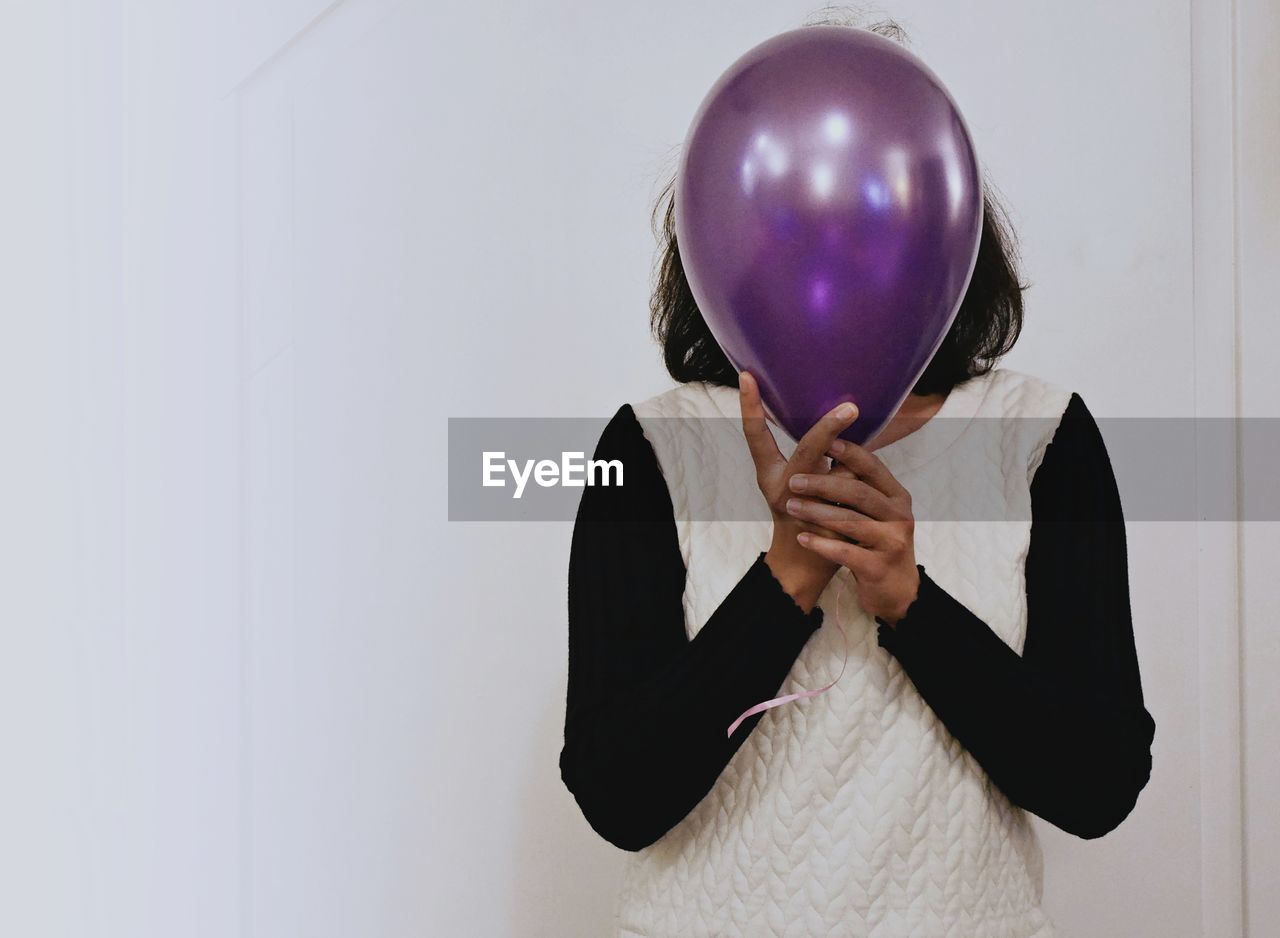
{"points": [[861, 500]]}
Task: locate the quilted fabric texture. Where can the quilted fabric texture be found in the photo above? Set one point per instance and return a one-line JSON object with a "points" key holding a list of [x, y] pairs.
{"points": [[853, 813]]}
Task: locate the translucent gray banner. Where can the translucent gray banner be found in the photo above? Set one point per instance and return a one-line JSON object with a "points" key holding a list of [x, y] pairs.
{"points": [[1167, 469]]}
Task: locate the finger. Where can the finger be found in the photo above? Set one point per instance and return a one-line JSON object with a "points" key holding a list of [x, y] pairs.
{"points": [[866, 465], [815, 444], [820, 530], [853, 493], [764, 448], [839, 520], [863, 563]]}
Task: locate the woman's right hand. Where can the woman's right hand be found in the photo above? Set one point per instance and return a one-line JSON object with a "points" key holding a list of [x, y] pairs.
{"points": [[803, 574]]}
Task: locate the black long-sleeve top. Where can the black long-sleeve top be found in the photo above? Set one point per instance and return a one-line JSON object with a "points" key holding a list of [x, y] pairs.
{"points": [[1061, 729]]}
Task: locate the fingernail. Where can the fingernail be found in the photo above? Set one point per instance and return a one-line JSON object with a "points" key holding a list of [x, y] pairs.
{"points": [[803, 538], [793, 505], [846, 411], [839, 446], [799, 483]]}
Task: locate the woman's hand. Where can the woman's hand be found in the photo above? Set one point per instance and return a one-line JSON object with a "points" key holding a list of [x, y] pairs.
{"points": [[803, 573], [869, 527]]}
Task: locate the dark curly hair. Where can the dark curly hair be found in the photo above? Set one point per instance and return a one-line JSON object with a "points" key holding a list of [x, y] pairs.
{"points": [[985, 328]]}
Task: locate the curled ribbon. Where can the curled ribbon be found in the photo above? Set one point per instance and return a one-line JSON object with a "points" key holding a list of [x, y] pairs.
{"points": [[787, 698]]}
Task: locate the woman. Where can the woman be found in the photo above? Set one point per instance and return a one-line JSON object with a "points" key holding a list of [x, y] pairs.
{"points": [[991, 669]]}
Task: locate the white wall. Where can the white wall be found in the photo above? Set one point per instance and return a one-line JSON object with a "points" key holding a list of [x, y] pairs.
{"points": [[1257, 76], [120, 666], [257, 684]]}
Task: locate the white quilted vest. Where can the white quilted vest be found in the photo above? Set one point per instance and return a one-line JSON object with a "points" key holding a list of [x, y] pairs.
{"points": [[853, 813]]}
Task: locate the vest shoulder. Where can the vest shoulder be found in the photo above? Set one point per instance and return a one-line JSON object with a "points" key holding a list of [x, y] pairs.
{"points": [[693, 399], [1011, 393], [1004, 392]]}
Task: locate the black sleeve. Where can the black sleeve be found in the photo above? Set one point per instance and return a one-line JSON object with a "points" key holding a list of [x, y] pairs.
{"points": [[647, 708], [1062, 729]]}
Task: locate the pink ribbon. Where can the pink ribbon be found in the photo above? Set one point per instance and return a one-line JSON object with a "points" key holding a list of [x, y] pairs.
{"points": [[787, 698]]}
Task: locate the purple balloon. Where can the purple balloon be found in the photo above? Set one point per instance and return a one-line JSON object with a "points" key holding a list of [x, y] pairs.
{"points": [[828, 214]]}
